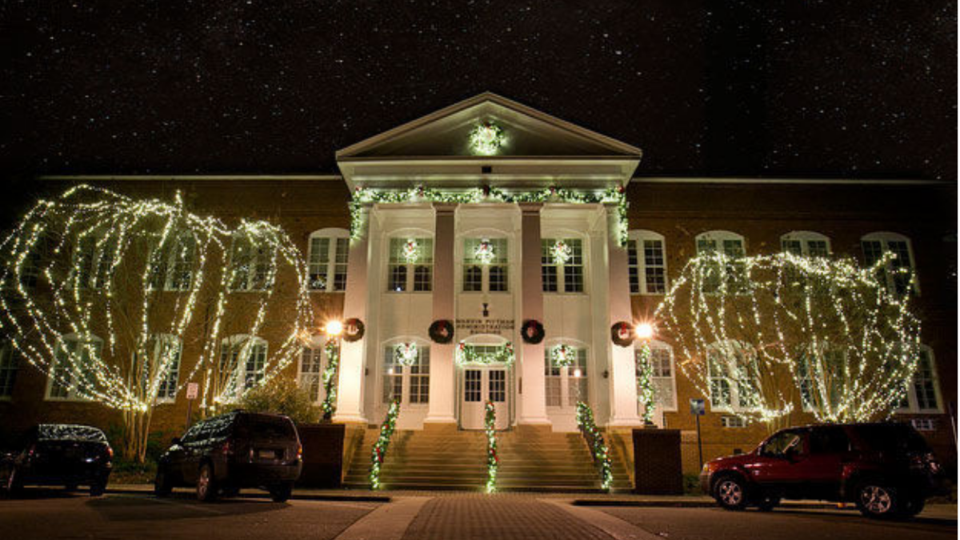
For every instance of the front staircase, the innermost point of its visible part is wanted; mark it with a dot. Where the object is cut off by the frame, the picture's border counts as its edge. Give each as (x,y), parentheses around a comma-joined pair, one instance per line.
(444,457)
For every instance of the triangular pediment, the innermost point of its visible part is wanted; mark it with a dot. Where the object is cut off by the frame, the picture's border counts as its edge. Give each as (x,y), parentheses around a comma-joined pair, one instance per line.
(526,133)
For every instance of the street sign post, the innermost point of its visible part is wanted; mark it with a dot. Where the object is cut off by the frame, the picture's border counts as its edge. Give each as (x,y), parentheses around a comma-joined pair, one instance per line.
(193,390)
(698,408)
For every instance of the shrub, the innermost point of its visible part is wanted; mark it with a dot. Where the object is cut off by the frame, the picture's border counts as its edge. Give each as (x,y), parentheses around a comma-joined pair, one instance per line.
(282,396)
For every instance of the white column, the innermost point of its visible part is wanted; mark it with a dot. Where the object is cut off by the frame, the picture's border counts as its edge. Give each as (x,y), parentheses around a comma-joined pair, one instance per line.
(442,369)
(533,407)
(623,381)
(351,374)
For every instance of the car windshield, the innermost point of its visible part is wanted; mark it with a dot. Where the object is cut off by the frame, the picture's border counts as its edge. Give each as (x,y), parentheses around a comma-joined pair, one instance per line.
(69,432)
(898,438)
(267,427)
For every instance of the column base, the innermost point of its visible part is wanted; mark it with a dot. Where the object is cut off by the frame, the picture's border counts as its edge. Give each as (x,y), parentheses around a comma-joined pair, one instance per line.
(536,421)
(625,422)
(349,419)
(440,420)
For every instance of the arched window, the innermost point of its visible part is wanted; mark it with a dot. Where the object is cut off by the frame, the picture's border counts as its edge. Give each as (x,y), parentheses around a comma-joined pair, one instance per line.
(647,262)
(406,372)
(664,375)
(251,264)
(733,272)
(898,271)
(562,264)
(566,374)
(327,256)
(805,243)
(171,268)
(485,265)
(923,392)
(243,361)
(72,374)
(731,369)
(410,264)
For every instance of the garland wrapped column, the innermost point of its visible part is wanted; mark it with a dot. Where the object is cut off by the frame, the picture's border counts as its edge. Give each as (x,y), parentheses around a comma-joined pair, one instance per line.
(493,460)
(329,405)
(601,454)
(646,393)
(379,452)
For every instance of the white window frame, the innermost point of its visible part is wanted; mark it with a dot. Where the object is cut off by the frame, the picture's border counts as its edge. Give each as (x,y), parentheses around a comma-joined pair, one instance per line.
(670,381)
(238,378)
(317,350)
(335,237)
(637,239)
(550,240)
(427,260)
(805,238)
(913,406)
(719,237)
(807,377)
(268,254)
(70,380)
(566,376)
(884,238)
(466,260)
(170,395)
(168,263)
(722,348)
(9,368)
(98,274)
(405,374)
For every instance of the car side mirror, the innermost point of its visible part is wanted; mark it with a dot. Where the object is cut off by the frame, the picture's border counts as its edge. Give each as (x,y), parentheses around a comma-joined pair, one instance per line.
(175,441)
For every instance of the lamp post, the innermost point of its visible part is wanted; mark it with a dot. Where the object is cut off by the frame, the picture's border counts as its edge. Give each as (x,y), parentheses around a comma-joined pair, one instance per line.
(646,392)
(334,331)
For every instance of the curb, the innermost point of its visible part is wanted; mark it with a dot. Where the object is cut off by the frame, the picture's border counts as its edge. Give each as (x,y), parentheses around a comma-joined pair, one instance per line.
(148,490)
(696,504)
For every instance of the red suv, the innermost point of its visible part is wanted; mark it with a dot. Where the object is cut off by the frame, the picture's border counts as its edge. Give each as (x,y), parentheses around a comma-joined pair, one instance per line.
(886,469)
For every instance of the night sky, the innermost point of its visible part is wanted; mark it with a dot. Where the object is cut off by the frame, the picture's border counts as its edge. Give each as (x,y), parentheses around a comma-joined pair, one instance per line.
(831,88)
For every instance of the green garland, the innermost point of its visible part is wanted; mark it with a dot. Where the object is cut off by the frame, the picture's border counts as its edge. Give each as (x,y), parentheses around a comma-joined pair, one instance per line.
(493,459)
(563,355)
(646,393)
(362,196)
(329,405)
(379,452)
(467,354)
(601,453)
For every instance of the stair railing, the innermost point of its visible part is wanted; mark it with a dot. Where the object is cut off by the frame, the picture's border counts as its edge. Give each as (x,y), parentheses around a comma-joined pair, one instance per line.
(493,459)
(379,452)
(598,447)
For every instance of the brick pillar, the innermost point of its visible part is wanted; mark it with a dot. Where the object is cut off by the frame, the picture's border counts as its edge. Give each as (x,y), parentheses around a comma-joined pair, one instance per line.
(533,407)
(442,369)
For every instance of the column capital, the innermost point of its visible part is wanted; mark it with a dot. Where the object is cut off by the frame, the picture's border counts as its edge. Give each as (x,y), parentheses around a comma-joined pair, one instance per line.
(530,207)
(444,208)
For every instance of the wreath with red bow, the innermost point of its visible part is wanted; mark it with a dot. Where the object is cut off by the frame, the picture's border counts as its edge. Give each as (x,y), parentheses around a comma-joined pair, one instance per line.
(532,332)
(441,331)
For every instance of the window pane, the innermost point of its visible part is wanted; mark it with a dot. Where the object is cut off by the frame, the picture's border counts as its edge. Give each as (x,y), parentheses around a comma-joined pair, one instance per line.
(655,278)
(8,370)
(422,278)
(633,268)
(319,257)
(472,278)
(398,278)
(471,385)
(498,385)
(498,278)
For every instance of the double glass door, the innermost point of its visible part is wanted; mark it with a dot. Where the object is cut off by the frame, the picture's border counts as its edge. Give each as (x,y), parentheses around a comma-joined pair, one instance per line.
(480,385)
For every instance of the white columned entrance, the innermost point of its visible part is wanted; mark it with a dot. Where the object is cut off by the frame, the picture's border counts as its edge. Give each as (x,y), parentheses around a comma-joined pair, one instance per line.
(533,408)
(442,369)
(623,381)
(352,355)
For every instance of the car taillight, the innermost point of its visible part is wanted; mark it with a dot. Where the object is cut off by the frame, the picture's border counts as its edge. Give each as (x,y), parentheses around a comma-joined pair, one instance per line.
(299,452)
(109,452)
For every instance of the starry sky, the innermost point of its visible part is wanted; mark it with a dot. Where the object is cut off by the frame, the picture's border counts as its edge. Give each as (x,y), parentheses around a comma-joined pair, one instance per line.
(831,88)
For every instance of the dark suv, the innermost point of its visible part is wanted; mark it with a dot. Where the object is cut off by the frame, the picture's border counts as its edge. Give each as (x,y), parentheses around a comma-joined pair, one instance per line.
(59,455)
(232,451)
(886,469)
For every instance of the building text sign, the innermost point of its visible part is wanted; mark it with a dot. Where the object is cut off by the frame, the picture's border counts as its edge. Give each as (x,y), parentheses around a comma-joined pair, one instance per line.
(485,326)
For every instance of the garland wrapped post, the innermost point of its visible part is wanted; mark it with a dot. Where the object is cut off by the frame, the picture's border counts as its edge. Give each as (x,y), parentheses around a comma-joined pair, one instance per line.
(599,449)
(379,452)
(493,459)
(329,405)
(646,393)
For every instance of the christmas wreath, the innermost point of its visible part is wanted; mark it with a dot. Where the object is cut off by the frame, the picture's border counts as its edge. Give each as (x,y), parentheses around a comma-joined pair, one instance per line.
(441,331)
(622,333)
(532,332)
(353,330)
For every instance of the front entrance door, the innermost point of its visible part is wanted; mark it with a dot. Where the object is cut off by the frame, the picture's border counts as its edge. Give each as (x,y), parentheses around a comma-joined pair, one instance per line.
(481,385)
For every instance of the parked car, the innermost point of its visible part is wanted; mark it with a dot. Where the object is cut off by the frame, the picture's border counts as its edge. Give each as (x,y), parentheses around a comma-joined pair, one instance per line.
(58,455)
(887,469)
(236,450)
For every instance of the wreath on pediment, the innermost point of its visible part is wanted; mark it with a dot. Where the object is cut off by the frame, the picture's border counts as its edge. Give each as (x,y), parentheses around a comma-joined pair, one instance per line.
(532,332)
(442,331)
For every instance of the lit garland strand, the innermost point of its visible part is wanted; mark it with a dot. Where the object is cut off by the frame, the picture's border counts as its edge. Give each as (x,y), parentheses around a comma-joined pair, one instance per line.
(646,393)
(468,354)
(379,452)
(782,327)
(114,275)
(329,405)
(563,355)
(367,196)
(493,459)
(598,448)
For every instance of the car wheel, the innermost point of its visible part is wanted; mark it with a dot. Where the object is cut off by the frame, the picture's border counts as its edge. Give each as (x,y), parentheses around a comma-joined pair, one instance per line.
(71,487)
(98,488)
(230,491)
(767,503)
(876,499)
(162,486)
(912,505)
(281,492)
(13,486)
(730,493)
(206,484)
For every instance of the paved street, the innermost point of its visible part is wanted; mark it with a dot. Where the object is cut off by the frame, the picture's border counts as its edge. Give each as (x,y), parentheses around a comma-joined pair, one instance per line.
(54,514)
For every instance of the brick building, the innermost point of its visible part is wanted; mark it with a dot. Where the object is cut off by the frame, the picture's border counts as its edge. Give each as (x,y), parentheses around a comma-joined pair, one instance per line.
(421,244)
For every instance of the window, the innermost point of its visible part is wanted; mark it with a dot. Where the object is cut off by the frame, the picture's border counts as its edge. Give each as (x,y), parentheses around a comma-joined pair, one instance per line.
(409,384)
(782,443)
(165,351)
(171,268)
(93,262)
(471,385)
(72,374)
(242,362)
(732,422)
(822,377)
(664,377)
(497,385)
(311,370)
(491,276)
(558,275)
(732,374)
(9,365)
(327,256)
(566,385)
(410,265)
(646,263)
(924,424)
(923,392)
(805,243)
(251,264)
(898,272)
(732,271)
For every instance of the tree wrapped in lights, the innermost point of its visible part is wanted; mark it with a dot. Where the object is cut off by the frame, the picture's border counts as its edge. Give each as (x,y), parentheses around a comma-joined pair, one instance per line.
(109,295)
(764,336)
(493,459)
